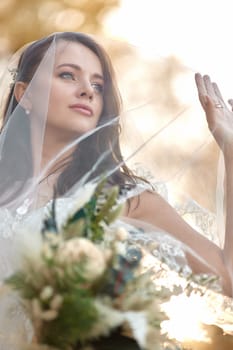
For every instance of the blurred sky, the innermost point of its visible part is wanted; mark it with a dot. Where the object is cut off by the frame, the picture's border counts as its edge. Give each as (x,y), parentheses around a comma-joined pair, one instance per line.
(199,32)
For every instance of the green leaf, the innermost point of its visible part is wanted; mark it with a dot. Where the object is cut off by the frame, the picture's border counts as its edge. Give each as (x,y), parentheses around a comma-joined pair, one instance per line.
(76,317)
(50,223)
(88,221)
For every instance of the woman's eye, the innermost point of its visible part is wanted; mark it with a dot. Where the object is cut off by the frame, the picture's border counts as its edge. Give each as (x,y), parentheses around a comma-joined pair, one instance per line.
(98,88)
(67,75)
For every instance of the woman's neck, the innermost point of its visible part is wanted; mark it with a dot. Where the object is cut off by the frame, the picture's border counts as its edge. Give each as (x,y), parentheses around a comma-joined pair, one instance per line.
(54,155)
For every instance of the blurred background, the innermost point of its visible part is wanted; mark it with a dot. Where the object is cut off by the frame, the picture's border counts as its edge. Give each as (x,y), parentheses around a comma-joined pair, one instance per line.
(156,46)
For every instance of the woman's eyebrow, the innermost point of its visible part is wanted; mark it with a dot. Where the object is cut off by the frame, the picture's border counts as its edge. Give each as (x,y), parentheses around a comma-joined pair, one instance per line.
(77,67)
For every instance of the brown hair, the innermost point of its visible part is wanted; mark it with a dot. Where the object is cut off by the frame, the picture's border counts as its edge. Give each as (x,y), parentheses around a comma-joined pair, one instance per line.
(108,138)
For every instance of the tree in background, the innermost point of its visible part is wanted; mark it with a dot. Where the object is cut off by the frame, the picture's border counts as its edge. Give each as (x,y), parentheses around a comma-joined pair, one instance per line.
(27,20)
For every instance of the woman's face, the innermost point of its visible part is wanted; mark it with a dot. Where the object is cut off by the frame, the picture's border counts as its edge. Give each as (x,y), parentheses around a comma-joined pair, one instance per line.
(76,97)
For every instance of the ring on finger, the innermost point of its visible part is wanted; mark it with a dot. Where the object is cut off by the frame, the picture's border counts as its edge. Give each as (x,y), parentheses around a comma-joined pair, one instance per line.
(218,105)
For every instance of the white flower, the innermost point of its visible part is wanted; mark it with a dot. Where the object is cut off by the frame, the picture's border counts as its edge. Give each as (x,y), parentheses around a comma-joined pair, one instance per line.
(36,308)
(81,249)
(56,302)
(120,247)
(138,324)
(83,195)
(121,234)
(39,313)
(46,293)
(66,207)
(109,318)
(49,315)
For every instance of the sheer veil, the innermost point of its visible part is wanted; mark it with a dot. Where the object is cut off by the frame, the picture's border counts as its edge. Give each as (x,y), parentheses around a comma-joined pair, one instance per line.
(154,118)
(164,143)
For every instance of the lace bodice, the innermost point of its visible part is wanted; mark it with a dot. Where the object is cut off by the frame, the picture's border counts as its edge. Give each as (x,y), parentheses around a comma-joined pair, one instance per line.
(14,325)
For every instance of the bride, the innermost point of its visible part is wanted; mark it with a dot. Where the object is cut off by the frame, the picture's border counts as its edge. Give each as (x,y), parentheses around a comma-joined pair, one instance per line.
(61,129)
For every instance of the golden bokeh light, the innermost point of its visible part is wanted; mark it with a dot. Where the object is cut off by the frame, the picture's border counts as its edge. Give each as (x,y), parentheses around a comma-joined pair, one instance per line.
(156,47)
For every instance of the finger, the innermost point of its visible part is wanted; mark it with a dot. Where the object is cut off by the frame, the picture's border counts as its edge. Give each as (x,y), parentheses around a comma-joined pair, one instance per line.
(200,84)
(210,89)
(202,93)
(231,103)
(219,95)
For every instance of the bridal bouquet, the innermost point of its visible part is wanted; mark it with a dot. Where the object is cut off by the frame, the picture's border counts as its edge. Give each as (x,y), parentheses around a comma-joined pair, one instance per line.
(83,284)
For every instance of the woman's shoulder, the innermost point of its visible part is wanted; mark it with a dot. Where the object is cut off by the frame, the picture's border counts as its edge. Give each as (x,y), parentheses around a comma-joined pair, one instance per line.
(148,203)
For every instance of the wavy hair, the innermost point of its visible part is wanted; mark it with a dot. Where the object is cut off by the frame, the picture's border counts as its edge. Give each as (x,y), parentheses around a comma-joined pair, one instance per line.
(76,165)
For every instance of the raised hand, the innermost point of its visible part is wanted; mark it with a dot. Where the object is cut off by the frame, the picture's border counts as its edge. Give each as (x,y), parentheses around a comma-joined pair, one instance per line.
(220,121)
(219,117)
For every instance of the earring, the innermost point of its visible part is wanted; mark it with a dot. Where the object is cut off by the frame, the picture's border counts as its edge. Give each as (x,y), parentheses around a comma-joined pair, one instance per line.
(27,111)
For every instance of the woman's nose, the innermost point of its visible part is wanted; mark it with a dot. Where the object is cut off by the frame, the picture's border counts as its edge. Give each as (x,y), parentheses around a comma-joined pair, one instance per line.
(85,89)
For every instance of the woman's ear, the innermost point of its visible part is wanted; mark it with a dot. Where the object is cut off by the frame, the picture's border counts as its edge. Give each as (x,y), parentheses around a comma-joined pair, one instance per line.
(21,97)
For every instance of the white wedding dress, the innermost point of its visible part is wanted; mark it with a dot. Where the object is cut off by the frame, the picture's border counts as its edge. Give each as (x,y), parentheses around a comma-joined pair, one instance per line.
(14,325)
(168,258)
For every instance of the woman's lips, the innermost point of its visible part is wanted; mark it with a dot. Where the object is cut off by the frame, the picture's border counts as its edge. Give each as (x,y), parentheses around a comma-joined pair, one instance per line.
(83,109)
